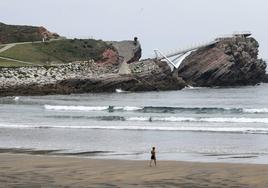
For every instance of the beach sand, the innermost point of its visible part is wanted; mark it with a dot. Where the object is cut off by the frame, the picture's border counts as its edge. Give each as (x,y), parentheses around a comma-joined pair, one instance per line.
(29,171)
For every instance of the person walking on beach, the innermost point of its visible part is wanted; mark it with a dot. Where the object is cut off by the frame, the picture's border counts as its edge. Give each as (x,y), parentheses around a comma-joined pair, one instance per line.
(153,157)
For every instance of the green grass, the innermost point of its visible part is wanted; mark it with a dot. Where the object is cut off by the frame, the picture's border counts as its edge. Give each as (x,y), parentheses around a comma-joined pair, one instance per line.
(25,52)
(61,51)
(6,63)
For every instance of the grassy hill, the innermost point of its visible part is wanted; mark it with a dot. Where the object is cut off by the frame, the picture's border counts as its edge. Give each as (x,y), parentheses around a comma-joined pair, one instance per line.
(57,51)
(7,63)
(24,46)
(18,33)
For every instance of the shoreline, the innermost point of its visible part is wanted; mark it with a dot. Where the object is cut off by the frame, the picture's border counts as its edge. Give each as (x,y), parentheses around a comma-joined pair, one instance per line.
(253,159)
(37,171)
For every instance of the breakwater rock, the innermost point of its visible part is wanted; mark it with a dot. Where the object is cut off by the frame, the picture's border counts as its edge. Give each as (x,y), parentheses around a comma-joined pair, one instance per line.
(89,76)
(232,61)
(265,79)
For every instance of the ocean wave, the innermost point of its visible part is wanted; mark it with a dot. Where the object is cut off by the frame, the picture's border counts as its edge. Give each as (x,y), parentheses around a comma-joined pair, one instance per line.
(168,119)
(91,108)
(157,109)
(256,110)
(192,119)
(126,108)
(76,108)
(16,98)
(120,91)
(249,130)
(151,109)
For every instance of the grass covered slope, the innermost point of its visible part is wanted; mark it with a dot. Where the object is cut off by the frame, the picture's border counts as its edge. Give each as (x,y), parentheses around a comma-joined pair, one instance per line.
(8,63)
(58,51)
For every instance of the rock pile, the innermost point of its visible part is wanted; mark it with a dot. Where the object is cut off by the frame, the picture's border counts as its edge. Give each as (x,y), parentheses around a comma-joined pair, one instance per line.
(81,77)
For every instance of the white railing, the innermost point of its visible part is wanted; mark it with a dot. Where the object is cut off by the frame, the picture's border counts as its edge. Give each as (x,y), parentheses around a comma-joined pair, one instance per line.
(184,50)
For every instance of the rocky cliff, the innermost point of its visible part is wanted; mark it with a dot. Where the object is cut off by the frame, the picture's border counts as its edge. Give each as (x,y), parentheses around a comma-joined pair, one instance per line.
(232,61)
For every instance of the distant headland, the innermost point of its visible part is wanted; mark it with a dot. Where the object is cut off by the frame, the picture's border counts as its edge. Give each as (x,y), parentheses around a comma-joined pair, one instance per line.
(35,61)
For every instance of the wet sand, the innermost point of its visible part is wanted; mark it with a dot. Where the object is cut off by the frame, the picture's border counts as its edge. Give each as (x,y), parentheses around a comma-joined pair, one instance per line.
(31,171)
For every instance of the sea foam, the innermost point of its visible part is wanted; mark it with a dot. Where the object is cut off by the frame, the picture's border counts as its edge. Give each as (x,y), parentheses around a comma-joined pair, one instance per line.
(249,130)
(256,110)
(158,109)
(76,108)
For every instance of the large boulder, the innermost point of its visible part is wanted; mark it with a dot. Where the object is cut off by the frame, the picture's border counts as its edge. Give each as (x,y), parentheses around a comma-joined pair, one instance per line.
(265,79)
(230,62)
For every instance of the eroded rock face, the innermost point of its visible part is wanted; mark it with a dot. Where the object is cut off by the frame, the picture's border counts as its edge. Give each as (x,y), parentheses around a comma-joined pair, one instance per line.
(233,61)
(47,34)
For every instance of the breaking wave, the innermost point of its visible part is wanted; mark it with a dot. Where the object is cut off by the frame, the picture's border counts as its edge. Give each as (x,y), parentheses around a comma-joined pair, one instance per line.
(191,119)
(156,109)
(256,110)
(248,130)
(169,119)
(90,108)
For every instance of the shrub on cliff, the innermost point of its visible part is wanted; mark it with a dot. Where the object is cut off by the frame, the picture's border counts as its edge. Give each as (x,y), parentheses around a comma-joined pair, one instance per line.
(18,33)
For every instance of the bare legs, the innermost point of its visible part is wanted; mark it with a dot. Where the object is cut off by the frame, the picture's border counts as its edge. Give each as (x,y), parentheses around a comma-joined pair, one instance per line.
(152,161)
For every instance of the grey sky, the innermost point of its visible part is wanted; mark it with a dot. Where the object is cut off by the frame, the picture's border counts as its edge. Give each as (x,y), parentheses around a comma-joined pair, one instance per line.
(162,24)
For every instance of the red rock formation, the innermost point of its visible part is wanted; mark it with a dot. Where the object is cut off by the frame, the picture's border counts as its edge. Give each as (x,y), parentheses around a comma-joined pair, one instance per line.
(46,34)
(110,56)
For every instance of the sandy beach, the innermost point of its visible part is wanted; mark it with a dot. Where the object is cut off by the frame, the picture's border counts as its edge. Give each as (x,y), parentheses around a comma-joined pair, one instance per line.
(47,171)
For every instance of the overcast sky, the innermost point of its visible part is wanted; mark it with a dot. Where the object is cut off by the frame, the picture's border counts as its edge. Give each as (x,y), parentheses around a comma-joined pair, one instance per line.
(161,24)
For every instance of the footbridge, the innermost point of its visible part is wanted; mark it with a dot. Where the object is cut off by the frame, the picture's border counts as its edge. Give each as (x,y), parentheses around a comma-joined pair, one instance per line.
(175,58)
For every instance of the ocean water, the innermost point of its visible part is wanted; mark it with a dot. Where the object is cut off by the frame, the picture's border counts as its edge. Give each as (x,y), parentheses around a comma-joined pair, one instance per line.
(193,124)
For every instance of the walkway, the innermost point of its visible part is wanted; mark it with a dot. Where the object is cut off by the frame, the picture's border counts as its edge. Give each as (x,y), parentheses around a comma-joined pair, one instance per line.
(6,47)
(11,45)
(18,61)
(180,54)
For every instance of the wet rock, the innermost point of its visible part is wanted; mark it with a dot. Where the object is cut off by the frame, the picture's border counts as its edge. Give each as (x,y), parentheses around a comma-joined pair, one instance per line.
(265,79)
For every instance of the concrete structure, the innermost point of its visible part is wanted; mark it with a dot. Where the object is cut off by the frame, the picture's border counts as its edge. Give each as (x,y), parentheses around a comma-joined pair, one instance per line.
(124,69)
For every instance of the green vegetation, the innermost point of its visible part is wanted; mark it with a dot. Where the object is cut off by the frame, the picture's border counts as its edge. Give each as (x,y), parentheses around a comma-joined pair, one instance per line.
(58,51)
(25,52)
(15,33)
(6,63)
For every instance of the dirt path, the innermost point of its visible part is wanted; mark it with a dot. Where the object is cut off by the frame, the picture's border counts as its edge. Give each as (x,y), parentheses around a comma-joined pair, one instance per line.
(18,61)
(7,46)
